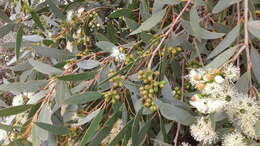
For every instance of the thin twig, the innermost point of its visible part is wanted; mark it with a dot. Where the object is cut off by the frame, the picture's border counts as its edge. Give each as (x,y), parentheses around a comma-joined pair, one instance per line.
(167,33)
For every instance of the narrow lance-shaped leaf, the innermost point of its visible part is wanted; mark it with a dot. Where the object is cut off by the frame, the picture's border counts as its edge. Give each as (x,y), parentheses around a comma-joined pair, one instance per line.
(92,128)
(135,127)
(6,29)
(254,28)
(175,113)
(56,11)
(56,130)
(78,77)
(122,133)
(150,23)
(223,4)
(198,31)
(29,86)
(83,98)
(37,20)
(44,68)
(18,44)
(228,40)
(222,58)
(256,64)
(14,110)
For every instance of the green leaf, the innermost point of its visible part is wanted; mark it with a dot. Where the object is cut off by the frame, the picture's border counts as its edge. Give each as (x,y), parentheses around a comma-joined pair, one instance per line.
(144,10)
(88,64)
(14,110)
(56,11)
(105,45)
(256,63)
(83,98)
(92,128)
(4,17)
(228,40)
(150,23)
(122,12)
(87,119)
(19,39)
(56,130)
(37,20)
(222,58)
(29,86)
(197,30)
(223,4)
(143,131)
(122,133)
(62,92)
(159,4)
(172,112)
(101,134)
(44,68)
(78,77)
(135,127)
(254,28)
(52,52)
(131,24)
(6,29)
(243,83)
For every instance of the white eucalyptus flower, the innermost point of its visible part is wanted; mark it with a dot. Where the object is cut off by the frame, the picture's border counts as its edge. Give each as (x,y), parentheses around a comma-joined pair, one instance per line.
(117,54)
(244,113)
(218,79)
(231,72)
(202,131)
(234,139)
(208,105)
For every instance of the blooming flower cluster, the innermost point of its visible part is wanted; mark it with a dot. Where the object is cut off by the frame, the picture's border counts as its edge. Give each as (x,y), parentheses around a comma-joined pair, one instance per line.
(214,87)
(203,131)
(216,93)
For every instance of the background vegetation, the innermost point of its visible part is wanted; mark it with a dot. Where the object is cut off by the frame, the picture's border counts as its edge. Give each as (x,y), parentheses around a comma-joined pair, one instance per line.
(119,72)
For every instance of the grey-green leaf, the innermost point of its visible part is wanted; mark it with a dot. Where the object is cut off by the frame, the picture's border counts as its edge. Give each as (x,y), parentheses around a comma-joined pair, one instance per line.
(105,45)
(175,113)
(228,40)
(18,44)
(6,29)
(52,52)
(150,23)
(256,64)
(198,30)
(223,4)
(78,77)
(254,28)
(88,64)
(29,86)
(56,130)
(222,58)
(243,83)
(14,110)
(92,128)
(83,98)
(37,20)
(56,11)
(44,68)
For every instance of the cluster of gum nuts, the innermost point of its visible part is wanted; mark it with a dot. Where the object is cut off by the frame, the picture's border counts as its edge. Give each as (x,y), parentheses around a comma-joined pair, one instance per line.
(150,88)
(117,82)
